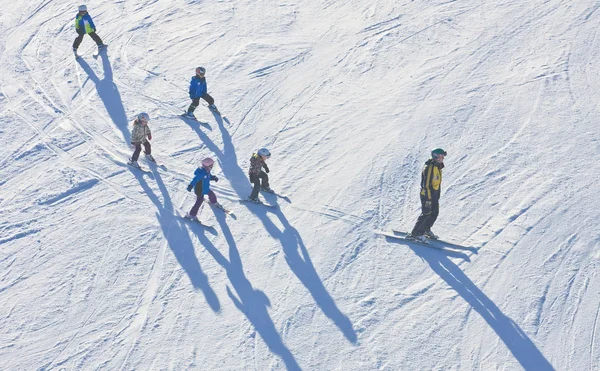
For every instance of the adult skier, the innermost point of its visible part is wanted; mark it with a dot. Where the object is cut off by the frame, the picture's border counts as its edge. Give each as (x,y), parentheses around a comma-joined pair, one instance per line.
(258,177)
(84,25)
(199,89)
(201,186)
(431,186)
(140,135)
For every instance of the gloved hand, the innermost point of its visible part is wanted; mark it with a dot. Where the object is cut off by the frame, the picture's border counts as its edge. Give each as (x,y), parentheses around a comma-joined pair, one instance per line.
(133,145)
(189,188)
(212,177)
(428,204)
(149,136)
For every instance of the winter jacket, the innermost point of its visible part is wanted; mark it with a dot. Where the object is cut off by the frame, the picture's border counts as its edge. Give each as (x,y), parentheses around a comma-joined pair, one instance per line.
(84,24)
(198,87)
(140,132)
(431,180)
(201,181)
(256,164)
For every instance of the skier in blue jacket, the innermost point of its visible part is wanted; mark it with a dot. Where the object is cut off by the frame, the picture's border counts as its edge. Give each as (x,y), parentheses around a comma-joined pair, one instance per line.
(201,186)
(199,89)
(84,25)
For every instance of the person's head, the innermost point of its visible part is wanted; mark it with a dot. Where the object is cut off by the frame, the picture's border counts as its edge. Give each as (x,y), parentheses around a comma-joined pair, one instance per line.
(438,155)
(82,9)
(264,153)
(208,163)
(143,118)
(200,71)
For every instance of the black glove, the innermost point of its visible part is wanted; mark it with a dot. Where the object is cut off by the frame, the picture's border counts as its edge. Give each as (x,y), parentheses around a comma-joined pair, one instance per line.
(427,208)
(189,188)
(212,177)
(266,168)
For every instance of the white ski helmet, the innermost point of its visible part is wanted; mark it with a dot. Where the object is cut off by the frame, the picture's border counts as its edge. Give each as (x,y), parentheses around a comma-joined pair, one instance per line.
(82,8)
(264,152)
(208,162)
(200,71)
(143,117)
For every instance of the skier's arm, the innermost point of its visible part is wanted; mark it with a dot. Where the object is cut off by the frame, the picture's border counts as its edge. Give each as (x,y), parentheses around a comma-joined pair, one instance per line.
(428,179)
(191,88)
(266,167)
(91,23)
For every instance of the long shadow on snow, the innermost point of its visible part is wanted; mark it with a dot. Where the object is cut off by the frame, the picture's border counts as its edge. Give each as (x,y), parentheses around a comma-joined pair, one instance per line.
(178,238)
(250,301)
(519,344)
(296,253)
(109,94)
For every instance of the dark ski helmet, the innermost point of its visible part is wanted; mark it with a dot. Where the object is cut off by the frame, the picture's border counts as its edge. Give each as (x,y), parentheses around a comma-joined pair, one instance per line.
(437,152)
(200,71)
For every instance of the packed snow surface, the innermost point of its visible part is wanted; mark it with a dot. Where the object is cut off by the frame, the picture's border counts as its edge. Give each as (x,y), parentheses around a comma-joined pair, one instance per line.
(99,271)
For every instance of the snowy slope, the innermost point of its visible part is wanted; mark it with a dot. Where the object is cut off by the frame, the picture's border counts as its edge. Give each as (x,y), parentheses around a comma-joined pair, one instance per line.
(97,271)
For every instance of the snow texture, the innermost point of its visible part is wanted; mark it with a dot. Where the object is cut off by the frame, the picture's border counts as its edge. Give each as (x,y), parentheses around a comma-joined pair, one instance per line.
(98,271)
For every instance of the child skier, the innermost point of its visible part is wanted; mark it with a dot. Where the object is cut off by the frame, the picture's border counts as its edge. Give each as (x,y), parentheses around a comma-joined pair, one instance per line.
(199,89)
(141,134)
(431,187)
(85,25)
(259,178)
(201,186)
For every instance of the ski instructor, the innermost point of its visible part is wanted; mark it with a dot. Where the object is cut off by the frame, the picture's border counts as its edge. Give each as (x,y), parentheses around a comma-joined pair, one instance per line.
(431,187)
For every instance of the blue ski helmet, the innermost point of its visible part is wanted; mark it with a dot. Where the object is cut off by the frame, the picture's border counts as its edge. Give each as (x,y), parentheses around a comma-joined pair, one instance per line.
(437,152)
(264,152)
(143,117)
(82,8)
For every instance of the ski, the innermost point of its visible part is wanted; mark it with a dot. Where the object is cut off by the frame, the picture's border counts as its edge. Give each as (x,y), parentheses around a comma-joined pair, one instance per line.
(197,221)
(436,240)
(274,193)
(139,168)
(222,208)
(97,53)
(274,206)
(183,115)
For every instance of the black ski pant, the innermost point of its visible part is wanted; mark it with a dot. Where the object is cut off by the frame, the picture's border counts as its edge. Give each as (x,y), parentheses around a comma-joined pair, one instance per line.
(196,102)
(260,180)
(79,38)
(427,217)
(138,149)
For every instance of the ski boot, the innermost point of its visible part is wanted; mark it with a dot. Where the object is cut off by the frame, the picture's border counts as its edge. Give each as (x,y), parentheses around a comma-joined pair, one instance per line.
(150,158)
(134,163)
(267,189)
(430,234)
(214,108)
(420,238)
(189,115)
(255,200)
(191,217)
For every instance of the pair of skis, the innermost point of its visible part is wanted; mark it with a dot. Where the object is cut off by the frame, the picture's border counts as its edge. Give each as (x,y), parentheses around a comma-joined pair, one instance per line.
(430,242)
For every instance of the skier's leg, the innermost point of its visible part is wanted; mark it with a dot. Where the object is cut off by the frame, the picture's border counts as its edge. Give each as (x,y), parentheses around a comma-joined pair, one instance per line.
(435,210)
(196,207)
(96,38)
(256,181)
(210,100)
(78,40)
(264,178)
(147,148)
(212,197)
(422,222)
(192,107)
(136,153)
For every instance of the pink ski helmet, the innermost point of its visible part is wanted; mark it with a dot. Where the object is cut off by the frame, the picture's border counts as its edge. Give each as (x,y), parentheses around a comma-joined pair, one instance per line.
(208,162)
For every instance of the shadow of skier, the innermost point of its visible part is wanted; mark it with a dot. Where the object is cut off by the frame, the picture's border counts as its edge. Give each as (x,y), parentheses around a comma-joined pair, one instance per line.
(108,93)
(250,301)
(178,238)
(519,344)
